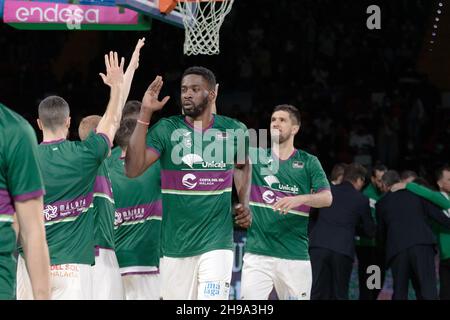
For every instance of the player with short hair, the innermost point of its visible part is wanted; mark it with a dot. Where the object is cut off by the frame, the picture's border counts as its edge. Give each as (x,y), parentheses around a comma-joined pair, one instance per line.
(199,153)
(106,280)
(21,191)
(69,169)
(286,183)
(137,222)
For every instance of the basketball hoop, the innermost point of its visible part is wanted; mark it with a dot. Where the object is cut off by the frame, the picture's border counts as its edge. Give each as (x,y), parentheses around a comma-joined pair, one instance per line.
(202,20)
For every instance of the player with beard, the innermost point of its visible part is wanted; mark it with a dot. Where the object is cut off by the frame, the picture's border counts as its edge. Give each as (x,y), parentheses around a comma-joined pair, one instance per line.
(199,154)
(286,183)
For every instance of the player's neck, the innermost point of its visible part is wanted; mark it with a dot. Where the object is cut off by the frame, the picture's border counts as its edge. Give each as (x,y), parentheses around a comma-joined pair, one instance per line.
(283,150)
(201,122)
(49,136)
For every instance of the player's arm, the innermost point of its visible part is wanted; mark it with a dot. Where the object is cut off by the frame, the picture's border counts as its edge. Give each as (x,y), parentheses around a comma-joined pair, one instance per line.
(32,238)
(242,180)
(132,66)
(437,215)
(433,196)
(110,121)
(139,157)
(321,199)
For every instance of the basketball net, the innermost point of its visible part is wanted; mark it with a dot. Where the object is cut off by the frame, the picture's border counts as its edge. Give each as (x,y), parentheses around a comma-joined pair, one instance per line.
(202,20)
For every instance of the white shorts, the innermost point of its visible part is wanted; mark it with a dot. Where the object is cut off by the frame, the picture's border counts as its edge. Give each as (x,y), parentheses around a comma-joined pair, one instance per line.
(203,277)
(67,282)
(145,286)
(106,279)
(292,279)
(23,289)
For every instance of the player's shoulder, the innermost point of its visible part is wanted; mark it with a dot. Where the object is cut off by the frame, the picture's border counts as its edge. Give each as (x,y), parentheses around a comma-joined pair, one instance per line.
(305,156)
(11,123)
(169,122)
(228,123)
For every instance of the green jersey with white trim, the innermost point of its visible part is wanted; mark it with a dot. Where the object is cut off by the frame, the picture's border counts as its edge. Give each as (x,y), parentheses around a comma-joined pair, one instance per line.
(104,209)
(20,180)
(272,234)
(69,169)
(138,217)
(196,182)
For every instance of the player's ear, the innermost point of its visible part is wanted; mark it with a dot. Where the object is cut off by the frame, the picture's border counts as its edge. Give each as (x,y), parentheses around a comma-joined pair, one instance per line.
(39,123)
(296,129)
(212,95)
(68,123)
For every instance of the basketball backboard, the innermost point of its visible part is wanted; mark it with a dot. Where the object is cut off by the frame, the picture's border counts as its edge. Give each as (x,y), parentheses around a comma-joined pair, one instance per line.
(151,8)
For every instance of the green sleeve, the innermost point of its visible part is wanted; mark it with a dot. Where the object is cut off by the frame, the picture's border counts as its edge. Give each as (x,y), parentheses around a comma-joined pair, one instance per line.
(433,196)
(95,149)
(319,179)
(23,175)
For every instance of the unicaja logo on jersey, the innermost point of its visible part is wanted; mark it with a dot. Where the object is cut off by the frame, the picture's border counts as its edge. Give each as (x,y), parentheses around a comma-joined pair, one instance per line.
(50,212)
(191,158)
(268,197)
(270,180)
(189,181)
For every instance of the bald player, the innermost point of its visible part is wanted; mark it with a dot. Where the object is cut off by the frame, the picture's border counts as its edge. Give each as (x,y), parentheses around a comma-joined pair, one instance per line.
(106,280)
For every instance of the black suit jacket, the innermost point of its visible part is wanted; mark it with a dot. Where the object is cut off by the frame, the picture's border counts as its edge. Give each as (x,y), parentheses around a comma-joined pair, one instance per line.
(403,222)
(334,227)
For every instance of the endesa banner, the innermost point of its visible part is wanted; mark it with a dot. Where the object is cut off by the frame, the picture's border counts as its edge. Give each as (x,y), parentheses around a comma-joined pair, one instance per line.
(57,15)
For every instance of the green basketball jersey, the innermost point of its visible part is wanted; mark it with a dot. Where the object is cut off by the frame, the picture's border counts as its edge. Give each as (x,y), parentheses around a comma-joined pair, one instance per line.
(196,182)
(104,209)
(138,216)
(273,234)
(20,180)
(69,169)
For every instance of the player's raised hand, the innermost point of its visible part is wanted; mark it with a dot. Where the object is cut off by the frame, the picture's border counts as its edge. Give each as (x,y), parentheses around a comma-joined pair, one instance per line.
(134,62)
(114,70)
(150,101)
(243,216)
(286,204)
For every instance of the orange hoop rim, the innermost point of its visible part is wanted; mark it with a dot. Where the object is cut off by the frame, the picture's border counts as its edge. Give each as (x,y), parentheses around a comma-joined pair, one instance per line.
(166,6)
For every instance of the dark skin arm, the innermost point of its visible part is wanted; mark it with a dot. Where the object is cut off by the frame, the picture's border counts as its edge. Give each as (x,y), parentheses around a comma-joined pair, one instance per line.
(138,157)
(242,181)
